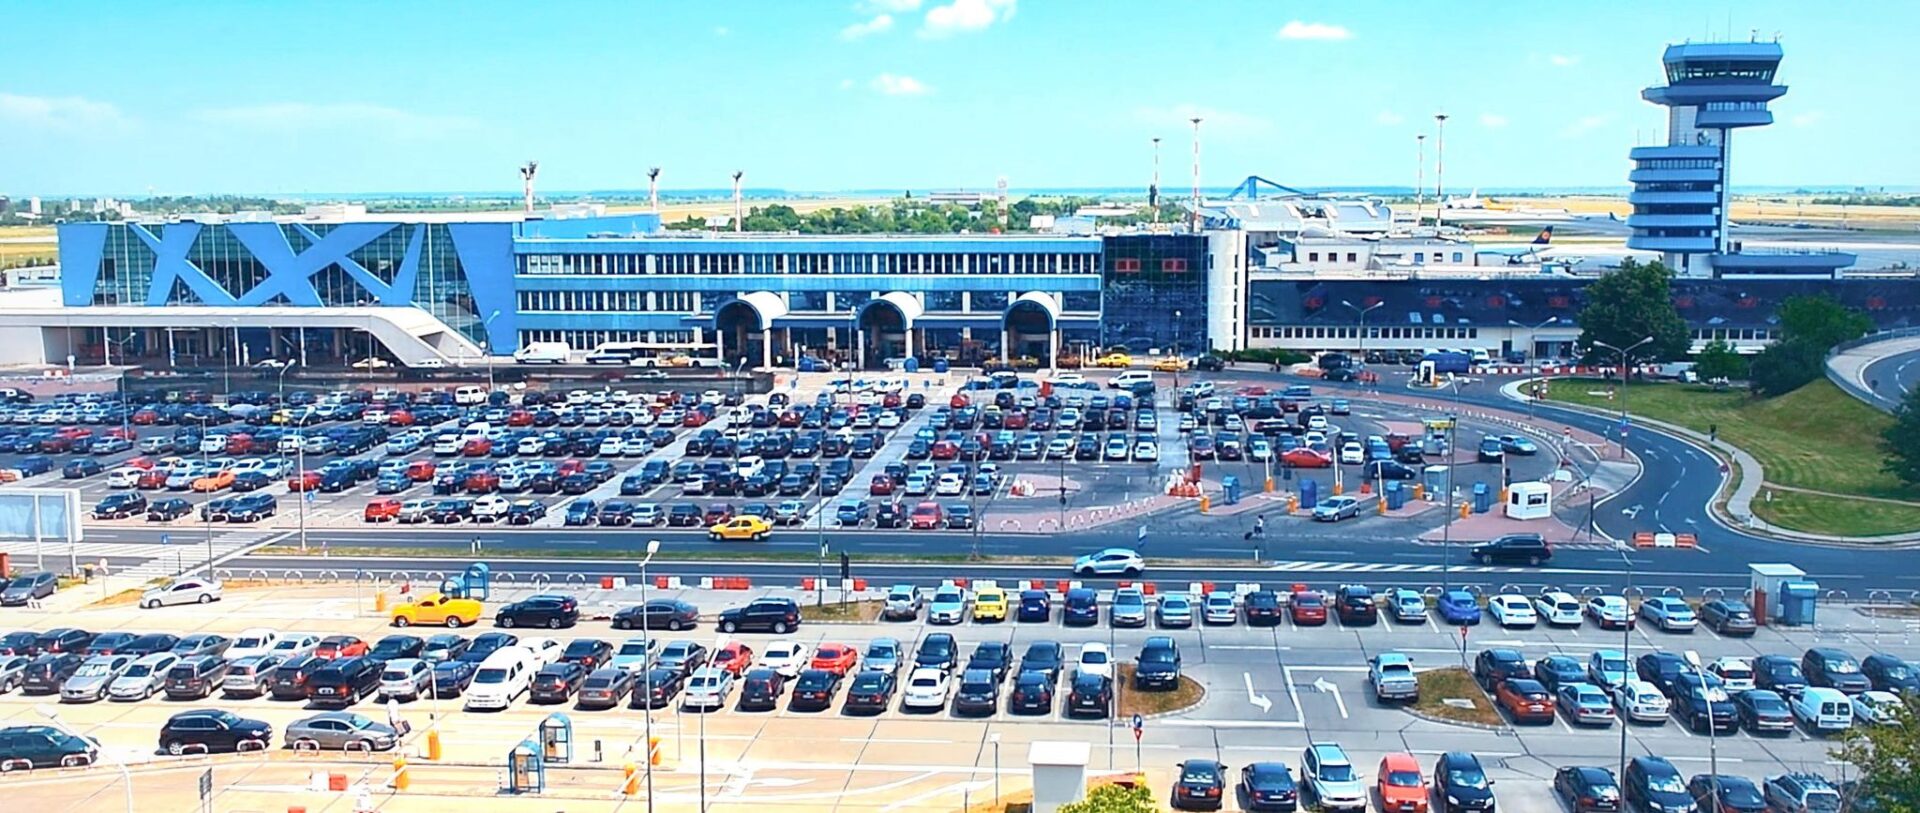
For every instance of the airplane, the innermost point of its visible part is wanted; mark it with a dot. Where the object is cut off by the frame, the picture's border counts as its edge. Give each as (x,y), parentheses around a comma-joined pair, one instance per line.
(1472,201)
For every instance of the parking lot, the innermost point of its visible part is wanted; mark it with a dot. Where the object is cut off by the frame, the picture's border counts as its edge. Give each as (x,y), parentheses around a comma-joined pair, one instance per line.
(1268,692)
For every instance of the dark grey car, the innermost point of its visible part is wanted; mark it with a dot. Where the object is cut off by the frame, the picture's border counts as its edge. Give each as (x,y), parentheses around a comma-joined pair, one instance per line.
(28,587)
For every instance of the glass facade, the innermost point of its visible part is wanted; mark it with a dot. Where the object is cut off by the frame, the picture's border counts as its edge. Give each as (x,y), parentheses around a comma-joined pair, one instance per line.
(1155,292)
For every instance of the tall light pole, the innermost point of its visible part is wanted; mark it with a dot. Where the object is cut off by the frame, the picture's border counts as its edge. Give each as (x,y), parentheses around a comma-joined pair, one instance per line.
(653,189)
(1177,361)
(300,461)
(206,513)
(1363,323)
(1196,174)
(1624,378)
(646,631)
(1420,179)
(737,214)
(1713,731)
(1153,192)
(1439,170)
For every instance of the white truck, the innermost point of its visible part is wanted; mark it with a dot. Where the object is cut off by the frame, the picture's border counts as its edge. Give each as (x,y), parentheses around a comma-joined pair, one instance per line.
(544,353)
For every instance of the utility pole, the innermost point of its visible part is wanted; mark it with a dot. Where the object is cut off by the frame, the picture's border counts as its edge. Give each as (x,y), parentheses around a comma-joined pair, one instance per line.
(1153,190)
(527,171)
(737,213)
(1440,171)
(1420,180)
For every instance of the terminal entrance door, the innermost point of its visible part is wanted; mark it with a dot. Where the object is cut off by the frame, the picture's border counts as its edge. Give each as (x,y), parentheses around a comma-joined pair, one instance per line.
(1029,331)
(882,335)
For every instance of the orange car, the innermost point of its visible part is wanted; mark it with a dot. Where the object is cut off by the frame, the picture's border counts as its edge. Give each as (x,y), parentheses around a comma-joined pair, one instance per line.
(735,657)
(1525,700)
(215,481)
(836,658)
(1402,789)
(382,510)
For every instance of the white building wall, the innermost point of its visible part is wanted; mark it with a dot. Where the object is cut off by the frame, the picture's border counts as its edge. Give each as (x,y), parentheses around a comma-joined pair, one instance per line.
(1226,289)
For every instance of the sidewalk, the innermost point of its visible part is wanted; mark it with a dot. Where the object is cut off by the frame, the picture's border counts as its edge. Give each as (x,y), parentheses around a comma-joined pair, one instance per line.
(1848,368)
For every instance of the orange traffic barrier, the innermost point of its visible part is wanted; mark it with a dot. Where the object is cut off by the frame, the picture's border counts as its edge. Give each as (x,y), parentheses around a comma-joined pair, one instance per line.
(1685,541)
(1148,588)
(433,744)
(629,780)
(1366,487)
(859,584)
(1036,584)
(1339,488)
(401,779)
(807,583)
(659,582)
(1124,584)
(653,751)
(960,583)
(1466,510)
(606,582)
(1205,503)
(1062,586)
(1643,539)
(337,782)
(1206,587)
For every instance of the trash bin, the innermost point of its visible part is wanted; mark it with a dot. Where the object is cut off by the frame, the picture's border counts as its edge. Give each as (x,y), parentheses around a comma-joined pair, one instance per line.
(1396,496)
(940,365)
(1230,488)
(1434,478)
(1309,493)
(1797,603)
(912,365)
(1482,498)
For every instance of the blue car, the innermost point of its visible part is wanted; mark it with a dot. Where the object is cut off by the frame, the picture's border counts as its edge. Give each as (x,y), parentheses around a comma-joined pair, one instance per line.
(1459,607)
(1518,444)
(1035,606)
(850,512)
(451,678)
(582,512)
(392,483)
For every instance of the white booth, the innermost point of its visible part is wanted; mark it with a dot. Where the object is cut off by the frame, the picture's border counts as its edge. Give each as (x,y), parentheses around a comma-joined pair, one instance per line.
(1529,500)
(1059,773)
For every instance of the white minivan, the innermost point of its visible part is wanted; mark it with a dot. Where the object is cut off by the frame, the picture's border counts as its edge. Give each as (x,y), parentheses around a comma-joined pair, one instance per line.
(503,676)
(1824,710)
(470,396)
(1131,377)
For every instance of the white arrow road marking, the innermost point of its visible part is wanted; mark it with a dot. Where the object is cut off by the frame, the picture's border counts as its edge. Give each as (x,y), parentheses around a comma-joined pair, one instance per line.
(1258,699)
(1325,686)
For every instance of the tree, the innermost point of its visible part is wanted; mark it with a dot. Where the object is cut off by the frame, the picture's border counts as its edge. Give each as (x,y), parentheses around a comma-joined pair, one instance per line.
(1786,366)
(1114,799)
(1631,304)
(1901,441)
(1888,757)
(1718,360)
(1821,321)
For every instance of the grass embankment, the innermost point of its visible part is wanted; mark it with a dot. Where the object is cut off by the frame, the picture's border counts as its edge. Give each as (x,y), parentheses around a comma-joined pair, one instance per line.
(1437,686)
(1137,701)
(850,611)
(1817,438)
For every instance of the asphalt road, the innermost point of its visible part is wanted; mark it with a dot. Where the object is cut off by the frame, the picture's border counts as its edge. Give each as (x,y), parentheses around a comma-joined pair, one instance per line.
(1894,377)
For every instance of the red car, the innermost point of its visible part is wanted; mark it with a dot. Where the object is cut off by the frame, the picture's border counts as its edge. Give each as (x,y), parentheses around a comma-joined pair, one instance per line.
(946,450)
(519,417)
(881,486)
(123,433)
(1301,457)
(1309,609)
(145,417)
(717,513)
(239,443)
(477,447)
(1015,420)
(485,481)
(791,418)
(151,479)
(571,465)
(926,516)
(421,471)
(400,417)
(696,418)
(735,657)
(891,400)
(836,658)
(959,401)
(303,481)
(340,646)
(381,510)
(141,463)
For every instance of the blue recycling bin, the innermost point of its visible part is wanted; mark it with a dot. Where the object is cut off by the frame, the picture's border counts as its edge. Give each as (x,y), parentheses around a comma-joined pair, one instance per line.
(1482,498)
(1230,488)
(912,364)
(940,365)
(1396,496)
(1434,478)
(1309,493)
(1797,603)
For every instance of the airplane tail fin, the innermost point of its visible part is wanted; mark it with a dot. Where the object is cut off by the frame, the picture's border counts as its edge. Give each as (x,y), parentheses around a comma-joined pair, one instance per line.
(1545,237)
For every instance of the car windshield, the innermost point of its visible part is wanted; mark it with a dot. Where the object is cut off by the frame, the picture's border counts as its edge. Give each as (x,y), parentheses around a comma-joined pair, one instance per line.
(925,682)
(1197,774)
(491,676)
(1898,672)
(1843,667)
(1613,665)
(1669,783)
(1156,656)
(93,670)
(1093,656)
(1336,773)
(1823,802)
(634,648)
(139,670)
(1404,779)
(1467,778)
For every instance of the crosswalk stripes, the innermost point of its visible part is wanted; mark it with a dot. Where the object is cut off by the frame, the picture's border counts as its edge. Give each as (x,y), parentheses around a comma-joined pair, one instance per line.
(1375,567)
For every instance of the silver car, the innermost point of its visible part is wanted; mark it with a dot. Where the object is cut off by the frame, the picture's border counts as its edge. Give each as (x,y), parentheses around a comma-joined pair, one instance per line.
(13,670)
(707,690)
(251,676)
(407,678)
(89,683)
(336,730)
(145,677)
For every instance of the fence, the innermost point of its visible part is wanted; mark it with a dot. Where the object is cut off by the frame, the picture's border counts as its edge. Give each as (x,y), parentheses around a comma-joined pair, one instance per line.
(1853,387)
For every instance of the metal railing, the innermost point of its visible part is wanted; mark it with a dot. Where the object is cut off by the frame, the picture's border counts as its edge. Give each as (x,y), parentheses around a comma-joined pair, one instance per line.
(1853,388)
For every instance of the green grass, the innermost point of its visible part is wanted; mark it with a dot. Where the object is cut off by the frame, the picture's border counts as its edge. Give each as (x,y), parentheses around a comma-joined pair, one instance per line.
(861,611)
(1181,697)
(1437,686)
(1836,515)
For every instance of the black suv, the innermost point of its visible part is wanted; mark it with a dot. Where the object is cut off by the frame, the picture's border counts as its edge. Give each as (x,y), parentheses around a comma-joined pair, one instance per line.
(1529,548)
(1355,604)
(937,650)
(550,611)
(1262,608)
(776,615)
(340,683)
(212,731)
(1158,666)
(1495,666)
(761,689)
(1651,784)
(1460,783)
(46,673)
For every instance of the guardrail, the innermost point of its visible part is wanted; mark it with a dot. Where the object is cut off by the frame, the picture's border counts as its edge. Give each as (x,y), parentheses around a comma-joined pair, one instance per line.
(1853,388)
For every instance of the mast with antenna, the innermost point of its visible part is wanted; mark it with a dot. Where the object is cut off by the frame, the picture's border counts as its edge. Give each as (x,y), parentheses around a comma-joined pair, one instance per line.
(527,172)
(1439,170)
(1420,180)
(737,216)
(653,189)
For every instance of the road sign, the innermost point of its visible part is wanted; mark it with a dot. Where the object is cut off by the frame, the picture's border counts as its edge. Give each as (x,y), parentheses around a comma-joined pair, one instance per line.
(1463,632)
(166,539)
(1139,726)
(206,784)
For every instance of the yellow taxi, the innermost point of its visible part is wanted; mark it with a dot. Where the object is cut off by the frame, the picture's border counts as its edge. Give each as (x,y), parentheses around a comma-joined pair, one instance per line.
(1114,360)
(1170,364)
(438,609)
(746,527)
(989,604)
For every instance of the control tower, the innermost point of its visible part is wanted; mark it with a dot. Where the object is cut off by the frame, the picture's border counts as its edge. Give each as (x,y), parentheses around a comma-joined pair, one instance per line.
(1680,191)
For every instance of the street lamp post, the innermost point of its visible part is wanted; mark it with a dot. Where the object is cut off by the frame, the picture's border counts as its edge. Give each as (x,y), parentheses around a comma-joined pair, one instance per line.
(1624,378)
(1713,731)
(1446,530)
(1363,324)
(300,462)
(646,631)
(1177,362)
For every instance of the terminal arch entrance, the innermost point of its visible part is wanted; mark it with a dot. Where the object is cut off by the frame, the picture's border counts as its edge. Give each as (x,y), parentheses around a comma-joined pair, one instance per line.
(1029,328)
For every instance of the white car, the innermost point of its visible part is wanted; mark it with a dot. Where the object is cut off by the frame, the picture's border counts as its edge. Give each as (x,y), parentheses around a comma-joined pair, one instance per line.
(1146,451)
(489,508)
(707,689)
(1610,611)
(926,689)
(1512,611)
(1876,707)
(185,590)
(784,656)
(294,644)
(124,477)
(1352,454)
(1736,674)
(950,485)
(634,655)
(145,677)
(1558,609)
(546,651)
(1110,562)
(1218,608)
(253,641)
(1095,659)
(1259,450)
(1641,702)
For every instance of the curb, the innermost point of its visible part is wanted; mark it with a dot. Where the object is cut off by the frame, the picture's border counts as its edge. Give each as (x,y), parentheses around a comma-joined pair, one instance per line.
(1460,723)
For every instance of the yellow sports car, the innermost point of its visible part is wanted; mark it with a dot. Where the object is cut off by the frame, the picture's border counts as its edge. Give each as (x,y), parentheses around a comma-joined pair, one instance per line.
(1170,364)
(990,604)
(747,527)
(435,608)
(1114,360)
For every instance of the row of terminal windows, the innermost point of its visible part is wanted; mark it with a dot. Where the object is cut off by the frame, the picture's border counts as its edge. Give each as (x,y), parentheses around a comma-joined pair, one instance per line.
(1733,335)
(648,264)
(803,301)
(1333,256)
(1720,70)
(1372,332)
(589,339)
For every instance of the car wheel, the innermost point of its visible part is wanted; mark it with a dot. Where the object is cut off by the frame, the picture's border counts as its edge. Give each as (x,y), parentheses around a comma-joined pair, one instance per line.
(676,625)
(619,625)
(779,627)
(1533,560)
(1130,572)
(453,622)
(401,621)
(728,626)
(504,621)
(553,623)
(152,605)
(176,747)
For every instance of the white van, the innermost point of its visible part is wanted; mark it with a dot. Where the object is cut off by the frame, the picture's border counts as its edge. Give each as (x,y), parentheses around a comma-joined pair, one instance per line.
(544,353)
(1823,710)
(504,676)
(750,465)
(470,395)
(1130,378)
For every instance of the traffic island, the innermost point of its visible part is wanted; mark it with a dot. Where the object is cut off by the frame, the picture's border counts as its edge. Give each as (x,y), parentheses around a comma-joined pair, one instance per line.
(1450,695)
(1186,695)
(843,612)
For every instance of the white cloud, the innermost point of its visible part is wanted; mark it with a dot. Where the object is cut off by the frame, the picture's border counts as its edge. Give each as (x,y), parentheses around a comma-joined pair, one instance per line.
(877,25)
(898,85)
(1213,122)
(1585,125)
(1807,119)
(846,84)
(1492,120)
(1299,30)
(965,15)
(1563,60)
(887,5)
(65,113)
(355,116)
(1388,118)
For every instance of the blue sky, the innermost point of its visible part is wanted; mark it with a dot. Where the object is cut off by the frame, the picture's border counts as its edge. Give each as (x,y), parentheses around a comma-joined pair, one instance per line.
(294,97)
